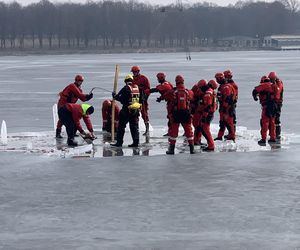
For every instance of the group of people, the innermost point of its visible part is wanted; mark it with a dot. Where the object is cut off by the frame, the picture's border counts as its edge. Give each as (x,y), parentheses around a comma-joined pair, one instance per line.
(193,109)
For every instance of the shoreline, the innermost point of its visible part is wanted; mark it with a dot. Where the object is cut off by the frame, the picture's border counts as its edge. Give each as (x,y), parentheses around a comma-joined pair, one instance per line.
(27,52)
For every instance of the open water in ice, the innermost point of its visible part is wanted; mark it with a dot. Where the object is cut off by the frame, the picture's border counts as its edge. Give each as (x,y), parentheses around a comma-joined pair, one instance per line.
(241,197)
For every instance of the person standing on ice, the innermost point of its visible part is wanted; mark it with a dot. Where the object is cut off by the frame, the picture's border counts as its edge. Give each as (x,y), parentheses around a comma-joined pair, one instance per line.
(71,94)
(180,99)
(70,115)
(265,92)
(129,96)
(198,90)
(144,86)
(206,109)
(228,77)
(163,87)
(278,92)
(226,97)
(107,116)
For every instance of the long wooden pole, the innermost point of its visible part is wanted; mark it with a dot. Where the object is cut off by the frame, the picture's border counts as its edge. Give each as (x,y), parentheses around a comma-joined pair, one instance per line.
(113,104)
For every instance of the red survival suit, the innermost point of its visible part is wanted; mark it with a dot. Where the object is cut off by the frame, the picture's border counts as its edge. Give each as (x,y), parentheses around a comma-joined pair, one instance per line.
(180,99)
(195,105)
(107,115)
(207,108)
(163,88)
(278,89)
(226,97)
(144,86)
(70,115)
(265,91)
(70,94)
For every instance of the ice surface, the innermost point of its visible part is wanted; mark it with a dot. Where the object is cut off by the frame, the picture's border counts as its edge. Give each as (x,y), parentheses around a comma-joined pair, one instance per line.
(241,197)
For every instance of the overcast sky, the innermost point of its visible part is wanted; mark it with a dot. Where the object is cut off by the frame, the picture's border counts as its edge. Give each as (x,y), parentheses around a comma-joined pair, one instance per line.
(161,2)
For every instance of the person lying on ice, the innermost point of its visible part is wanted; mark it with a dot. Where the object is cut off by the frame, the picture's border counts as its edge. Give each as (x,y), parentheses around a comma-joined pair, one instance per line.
(70,115)
(71,94)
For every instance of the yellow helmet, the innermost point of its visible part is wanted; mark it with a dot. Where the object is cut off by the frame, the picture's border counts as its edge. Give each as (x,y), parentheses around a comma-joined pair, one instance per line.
(128,78)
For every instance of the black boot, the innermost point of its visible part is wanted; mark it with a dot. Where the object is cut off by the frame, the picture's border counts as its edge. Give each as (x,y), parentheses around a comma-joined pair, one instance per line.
(72,143)
(218,139)
(171,150)
(192,149)
(135,144)
(117,144)
(57,134)
(147,128)
(262,142)
(278,132)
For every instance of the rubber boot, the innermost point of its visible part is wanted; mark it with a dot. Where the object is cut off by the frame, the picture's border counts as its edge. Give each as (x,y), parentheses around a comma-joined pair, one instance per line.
(262,142)
(57,134)
(278,132)
(192,151)
(135,144)
(147,128)
(72,143)
(117,144)
(171,150)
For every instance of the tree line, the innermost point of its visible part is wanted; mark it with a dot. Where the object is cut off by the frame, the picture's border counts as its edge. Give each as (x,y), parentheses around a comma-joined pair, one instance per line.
(130,24)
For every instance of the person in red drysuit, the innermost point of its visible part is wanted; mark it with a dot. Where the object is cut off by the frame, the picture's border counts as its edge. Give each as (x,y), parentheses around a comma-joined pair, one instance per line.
(163,87)
(207,108)
(144,86)
(278,92)
(195,105)
(70,115)
(71,94)
(265,92)
(228,77)
(180,99)
(107,115)
(226,97)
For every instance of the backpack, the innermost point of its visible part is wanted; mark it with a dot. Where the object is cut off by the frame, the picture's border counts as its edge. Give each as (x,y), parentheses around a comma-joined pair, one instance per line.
(181,111)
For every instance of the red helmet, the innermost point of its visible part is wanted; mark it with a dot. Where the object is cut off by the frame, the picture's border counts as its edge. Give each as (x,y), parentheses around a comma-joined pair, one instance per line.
(213,84)
(79,78)
(106,104)
(161,76)
(273,75)
(228,73)
(135,68)
(219,75)
(264,79)
(179,79)
(202,83)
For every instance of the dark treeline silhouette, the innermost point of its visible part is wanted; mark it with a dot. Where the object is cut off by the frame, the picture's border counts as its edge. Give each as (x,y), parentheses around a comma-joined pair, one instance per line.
(111,24)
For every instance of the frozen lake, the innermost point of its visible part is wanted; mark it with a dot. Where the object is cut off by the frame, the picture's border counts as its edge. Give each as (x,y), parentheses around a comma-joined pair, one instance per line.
(221,200)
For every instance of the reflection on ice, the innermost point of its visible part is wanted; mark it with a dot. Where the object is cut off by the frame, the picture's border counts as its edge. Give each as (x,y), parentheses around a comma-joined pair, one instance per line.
(44,143)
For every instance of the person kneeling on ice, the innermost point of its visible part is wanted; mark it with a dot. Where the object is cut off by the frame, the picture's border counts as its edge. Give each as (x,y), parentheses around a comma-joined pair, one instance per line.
(71,94)
(129,96)
(107,116)
(180,99)
(70,116)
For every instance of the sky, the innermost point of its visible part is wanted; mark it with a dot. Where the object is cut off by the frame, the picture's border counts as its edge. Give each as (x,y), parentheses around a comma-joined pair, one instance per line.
(160,2)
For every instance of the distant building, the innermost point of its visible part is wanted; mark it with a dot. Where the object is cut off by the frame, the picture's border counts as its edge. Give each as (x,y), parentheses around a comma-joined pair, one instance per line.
(282,42)
(238,42)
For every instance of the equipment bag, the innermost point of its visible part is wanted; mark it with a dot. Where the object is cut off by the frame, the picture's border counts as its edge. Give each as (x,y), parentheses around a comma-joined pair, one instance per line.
(181,111)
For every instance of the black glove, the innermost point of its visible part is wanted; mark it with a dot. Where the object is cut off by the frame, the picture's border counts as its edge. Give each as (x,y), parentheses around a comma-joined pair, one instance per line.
(158,99)
(153,90)
(89,96)
(254,95)
(113,94)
